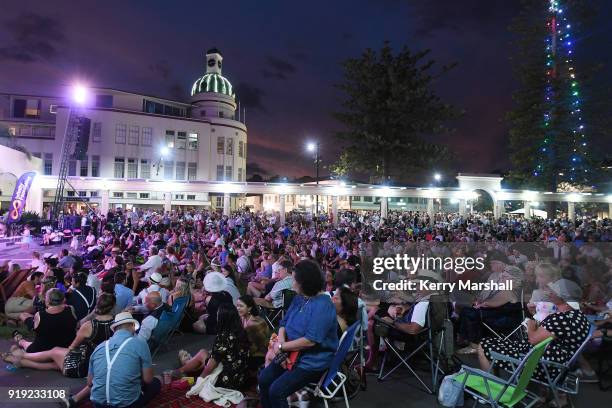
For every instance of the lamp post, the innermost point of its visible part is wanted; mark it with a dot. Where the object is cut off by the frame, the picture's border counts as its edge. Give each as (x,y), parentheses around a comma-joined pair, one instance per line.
(163,152)
(315,147)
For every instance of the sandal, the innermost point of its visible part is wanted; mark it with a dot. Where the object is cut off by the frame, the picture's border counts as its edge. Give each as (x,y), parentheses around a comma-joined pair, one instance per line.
(467,350)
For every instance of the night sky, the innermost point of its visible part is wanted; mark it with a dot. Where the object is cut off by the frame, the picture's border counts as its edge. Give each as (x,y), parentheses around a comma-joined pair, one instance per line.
(283,59)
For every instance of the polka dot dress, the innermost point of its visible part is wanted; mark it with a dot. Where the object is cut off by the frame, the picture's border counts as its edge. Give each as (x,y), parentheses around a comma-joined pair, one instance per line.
(570,329)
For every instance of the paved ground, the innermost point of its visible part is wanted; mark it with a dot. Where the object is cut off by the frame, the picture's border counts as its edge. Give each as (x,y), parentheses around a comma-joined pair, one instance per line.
(23,254)
(400,390)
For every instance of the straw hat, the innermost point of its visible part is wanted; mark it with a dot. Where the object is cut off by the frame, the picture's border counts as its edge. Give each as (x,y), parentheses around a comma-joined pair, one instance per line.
(123,318)
(155,277)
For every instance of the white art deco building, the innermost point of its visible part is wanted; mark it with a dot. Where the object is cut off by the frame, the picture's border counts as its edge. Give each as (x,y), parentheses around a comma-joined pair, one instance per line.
(136,138)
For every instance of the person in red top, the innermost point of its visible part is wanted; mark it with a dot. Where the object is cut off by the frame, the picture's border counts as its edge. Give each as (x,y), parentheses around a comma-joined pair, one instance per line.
(21,301)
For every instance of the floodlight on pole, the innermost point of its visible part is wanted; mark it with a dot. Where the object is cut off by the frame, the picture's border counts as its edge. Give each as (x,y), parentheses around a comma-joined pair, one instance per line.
(79,94)
(164,151)
(311,147)
(437,176)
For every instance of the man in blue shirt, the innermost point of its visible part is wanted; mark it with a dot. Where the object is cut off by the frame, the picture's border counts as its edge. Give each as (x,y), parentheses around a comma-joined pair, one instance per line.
(123,294)
(120,371)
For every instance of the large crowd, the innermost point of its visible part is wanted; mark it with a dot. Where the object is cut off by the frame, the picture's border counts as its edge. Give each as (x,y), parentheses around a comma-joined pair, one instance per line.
(94,308)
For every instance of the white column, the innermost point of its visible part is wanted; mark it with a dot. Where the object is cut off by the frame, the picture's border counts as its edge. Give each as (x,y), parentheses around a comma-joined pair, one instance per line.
(282,211)
(610,210)
(226,204)
(462,206)
(499,208)
(104,205)
(527,207)
(430,207)
(571,210)
(384,206)
(335,209)
(34,202)
(167,202)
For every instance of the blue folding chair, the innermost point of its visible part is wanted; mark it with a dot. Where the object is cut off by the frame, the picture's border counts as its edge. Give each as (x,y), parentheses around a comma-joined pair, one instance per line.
(333,380)
(168,324)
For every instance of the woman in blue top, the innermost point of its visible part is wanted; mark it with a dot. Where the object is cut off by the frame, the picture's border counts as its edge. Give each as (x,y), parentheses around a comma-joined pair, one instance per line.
(309,327)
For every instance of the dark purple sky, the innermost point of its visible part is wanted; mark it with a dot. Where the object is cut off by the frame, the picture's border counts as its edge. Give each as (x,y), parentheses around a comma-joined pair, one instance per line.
(283,58)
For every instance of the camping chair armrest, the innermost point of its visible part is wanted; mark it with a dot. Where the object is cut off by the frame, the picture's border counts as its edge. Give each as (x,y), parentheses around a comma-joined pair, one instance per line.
(477,371)
(502,357)
(380,320)
(549,363)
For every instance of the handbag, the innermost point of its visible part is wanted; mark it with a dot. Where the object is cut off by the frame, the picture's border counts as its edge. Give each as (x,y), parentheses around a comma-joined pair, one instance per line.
(450,393)
(75,362)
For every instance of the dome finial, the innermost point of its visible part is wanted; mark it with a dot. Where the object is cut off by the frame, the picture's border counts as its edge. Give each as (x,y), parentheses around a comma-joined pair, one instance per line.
(214,60)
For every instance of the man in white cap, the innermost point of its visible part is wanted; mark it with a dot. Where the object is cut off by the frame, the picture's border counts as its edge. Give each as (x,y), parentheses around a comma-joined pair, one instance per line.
(120,370)
(154,281)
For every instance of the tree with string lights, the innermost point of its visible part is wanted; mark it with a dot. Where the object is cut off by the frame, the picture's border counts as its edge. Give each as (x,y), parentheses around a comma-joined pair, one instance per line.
(549,143)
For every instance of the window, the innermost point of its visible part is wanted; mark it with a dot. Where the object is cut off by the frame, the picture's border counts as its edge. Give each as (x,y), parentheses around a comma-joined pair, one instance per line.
(170,139)
(356,198)
(179,196)
(181,140)
(221,114)
(228,173)
(84,167)
(82,193)
(95,166)
(220,144)
(191,196)
(161,109)
(134,135)
(26,108)
(180,170)
(70,193)
(48,164)
(53,109)
(72,168)
(230,146)
(119,168)
(132,171)
(144,195)
(93,194)
(241,149)
(220,173)
(117,194)
(192,171)
(168,170)
(219,200)
(367,199)
(96,132)
(147,136)
(104,101)
(192,141)
(120,134)
(131,195)
(145,169)
(37,154)
(239,174)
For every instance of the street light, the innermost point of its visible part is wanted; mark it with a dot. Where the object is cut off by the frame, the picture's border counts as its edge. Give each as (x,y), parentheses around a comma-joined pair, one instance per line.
(437,176)
(314,147)
(80,94)
(163,152)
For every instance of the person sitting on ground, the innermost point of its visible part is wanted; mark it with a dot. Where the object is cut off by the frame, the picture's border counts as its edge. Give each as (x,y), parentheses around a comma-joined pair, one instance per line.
(155,307)
(21,301)
(120,369)
(123,294)
(66,260)
(257,331)
(38,303)
(80,296)
(231,349)
(230,282)
(153,263)
(216,295)
(309,327)
(257,285)
(74,360)
(54,327)
(38,263)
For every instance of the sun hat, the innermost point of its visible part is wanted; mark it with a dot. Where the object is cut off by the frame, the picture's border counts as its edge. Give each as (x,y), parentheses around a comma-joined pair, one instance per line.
(123,318)
(155,277)
(566,290)
(214,282)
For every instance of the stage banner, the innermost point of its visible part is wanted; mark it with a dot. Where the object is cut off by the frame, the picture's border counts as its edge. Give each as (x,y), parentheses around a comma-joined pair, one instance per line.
(20,194)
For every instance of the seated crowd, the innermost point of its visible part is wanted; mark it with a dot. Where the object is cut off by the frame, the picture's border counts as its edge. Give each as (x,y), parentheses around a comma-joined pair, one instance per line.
(277,298)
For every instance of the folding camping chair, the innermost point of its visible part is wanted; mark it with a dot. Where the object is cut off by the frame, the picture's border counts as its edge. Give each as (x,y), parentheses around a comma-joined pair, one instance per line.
(514,327)
(565,381)
(167,325)
(334,380)
(437,313)
(498,392)
(354,365)
(273,316)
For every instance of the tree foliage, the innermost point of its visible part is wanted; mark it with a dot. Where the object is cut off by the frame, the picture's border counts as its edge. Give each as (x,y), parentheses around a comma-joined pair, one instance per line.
(389,110)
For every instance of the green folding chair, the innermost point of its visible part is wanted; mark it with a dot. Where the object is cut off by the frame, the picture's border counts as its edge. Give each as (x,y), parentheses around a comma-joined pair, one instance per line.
(489,389)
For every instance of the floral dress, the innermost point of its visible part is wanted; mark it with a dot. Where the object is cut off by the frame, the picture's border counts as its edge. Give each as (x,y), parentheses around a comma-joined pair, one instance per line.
(233,353)
(570,330)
